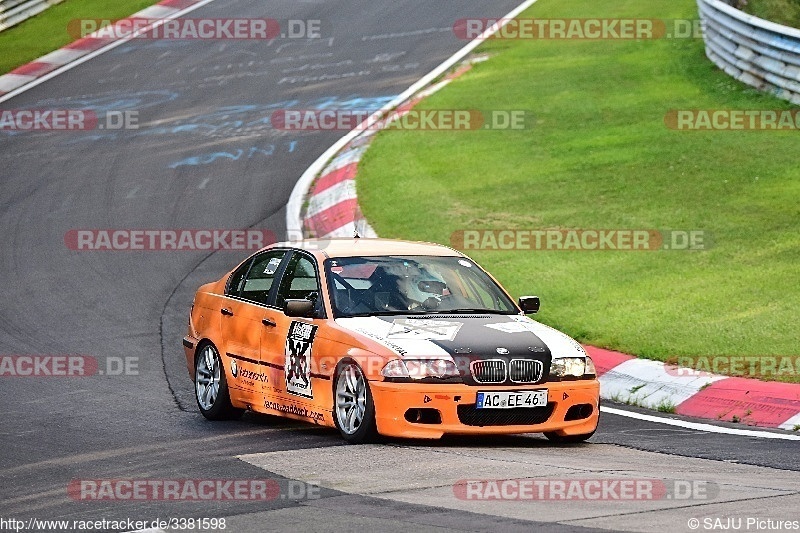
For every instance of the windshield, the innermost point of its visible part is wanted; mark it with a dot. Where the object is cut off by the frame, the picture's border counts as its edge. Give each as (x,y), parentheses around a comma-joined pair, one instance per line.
(392,285)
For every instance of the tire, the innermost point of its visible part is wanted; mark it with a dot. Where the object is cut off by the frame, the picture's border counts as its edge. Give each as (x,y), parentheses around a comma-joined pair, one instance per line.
(552,436)
(353,408)
(211,386)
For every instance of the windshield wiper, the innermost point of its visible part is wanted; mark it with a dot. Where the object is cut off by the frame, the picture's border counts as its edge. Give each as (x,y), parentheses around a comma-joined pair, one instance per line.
(464,310)
(469,310)
(381,313)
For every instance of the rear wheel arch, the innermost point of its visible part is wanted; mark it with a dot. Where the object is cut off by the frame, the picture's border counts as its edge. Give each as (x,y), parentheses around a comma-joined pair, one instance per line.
(202,343)
(220,408)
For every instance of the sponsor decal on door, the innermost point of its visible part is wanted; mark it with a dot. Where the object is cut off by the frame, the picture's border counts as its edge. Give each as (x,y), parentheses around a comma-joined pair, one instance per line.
(299,342)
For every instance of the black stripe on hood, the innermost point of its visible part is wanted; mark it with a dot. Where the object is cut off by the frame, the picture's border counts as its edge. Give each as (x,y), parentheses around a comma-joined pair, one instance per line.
(473,340)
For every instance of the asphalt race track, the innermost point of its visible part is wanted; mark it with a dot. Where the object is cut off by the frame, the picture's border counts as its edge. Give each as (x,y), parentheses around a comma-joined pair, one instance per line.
(205,157)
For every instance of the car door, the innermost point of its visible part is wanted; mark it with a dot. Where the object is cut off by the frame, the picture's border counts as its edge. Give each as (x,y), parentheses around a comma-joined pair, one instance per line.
(243,313)
(294,347)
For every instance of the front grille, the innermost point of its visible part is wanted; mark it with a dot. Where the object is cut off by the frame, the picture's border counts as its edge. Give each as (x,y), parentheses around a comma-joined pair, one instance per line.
(525,370)
(519,416)
(488,370)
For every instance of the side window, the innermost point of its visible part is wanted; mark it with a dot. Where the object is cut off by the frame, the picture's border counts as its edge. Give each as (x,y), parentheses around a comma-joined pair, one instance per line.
(237,278)
(299,282)
(259,279)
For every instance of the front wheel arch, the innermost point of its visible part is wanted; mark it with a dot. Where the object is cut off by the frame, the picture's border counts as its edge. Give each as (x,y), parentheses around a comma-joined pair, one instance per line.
(367,431)
(558,438)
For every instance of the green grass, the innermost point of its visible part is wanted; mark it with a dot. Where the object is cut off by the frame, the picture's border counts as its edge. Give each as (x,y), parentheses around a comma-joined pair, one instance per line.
(47,31)
(666,406)
(600,156)
(786,12)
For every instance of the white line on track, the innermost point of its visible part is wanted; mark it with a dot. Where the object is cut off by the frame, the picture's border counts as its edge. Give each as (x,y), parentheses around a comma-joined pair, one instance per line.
(697,426)
(103,50)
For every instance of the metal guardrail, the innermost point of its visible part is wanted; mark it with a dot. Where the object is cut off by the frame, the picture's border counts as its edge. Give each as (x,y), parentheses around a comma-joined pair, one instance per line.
(757,52)
(12,12)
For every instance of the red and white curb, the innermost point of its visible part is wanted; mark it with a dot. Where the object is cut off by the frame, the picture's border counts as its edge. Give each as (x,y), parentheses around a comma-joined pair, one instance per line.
(332,203)
(655,385)
(50,65)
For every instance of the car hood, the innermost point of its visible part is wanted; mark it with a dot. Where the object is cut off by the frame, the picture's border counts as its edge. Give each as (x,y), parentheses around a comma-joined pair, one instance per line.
(468,335)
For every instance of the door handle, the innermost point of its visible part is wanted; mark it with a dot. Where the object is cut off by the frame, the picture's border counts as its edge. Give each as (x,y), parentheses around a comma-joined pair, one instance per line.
(269,322)
(225,311)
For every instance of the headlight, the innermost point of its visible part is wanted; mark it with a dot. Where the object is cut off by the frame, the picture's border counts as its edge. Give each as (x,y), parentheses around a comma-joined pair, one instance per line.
(590,369)
(416,369)
(395,369)
(575,367)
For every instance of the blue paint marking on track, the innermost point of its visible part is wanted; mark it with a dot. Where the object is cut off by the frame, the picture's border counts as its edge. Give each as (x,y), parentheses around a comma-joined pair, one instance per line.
(235,155)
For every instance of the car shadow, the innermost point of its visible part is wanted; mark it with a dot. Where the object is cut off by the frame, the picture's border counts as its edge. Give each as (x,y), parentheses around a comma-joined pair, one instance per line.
(527,441)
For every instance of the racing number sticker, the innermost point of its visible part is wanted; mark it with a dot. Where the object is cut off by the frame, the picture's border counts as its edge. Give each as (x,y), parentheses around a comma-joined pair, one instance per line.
(298,358)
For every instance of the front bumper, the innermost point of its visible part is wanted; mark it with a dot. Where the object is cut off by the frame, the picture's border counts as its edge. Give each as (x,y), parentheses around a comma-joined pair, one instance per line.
(394,400)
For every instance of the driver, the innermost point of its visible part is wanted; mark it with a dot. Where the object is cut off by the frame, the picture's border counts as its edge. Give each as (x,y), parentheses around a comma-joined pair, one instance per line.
(387,290)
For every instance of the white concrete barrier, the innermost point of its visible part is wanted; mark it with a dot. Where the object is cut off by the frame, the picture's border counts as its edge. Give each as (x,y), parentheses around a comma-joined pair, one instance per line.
(13,12)
(757,52)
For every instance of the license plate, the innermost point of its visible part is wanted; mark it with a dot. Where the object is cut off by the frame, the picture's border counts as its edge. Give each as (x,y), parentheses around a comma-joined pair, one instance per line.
(511,399)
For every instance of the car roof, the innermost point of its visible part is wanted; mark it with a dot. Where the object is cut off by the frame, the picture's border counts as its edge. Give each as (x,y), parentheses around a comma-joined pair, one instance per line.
(369,247)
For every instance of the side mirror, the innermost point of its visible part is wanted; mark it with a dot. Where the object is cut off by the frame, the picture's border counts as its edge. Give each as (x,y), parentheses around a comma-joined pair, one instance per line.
(529,304)
(299,308)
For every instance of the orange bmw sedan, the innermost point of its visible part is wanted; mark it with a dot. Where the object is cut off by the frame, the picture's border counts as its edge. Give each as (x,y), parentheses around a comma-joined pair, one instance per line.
(379,337)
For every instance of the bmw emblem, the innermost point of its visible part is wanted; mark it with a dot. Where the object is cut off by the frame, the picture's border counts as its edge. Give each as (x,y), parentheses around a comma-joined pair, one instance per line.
(234,368)
(502,351)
